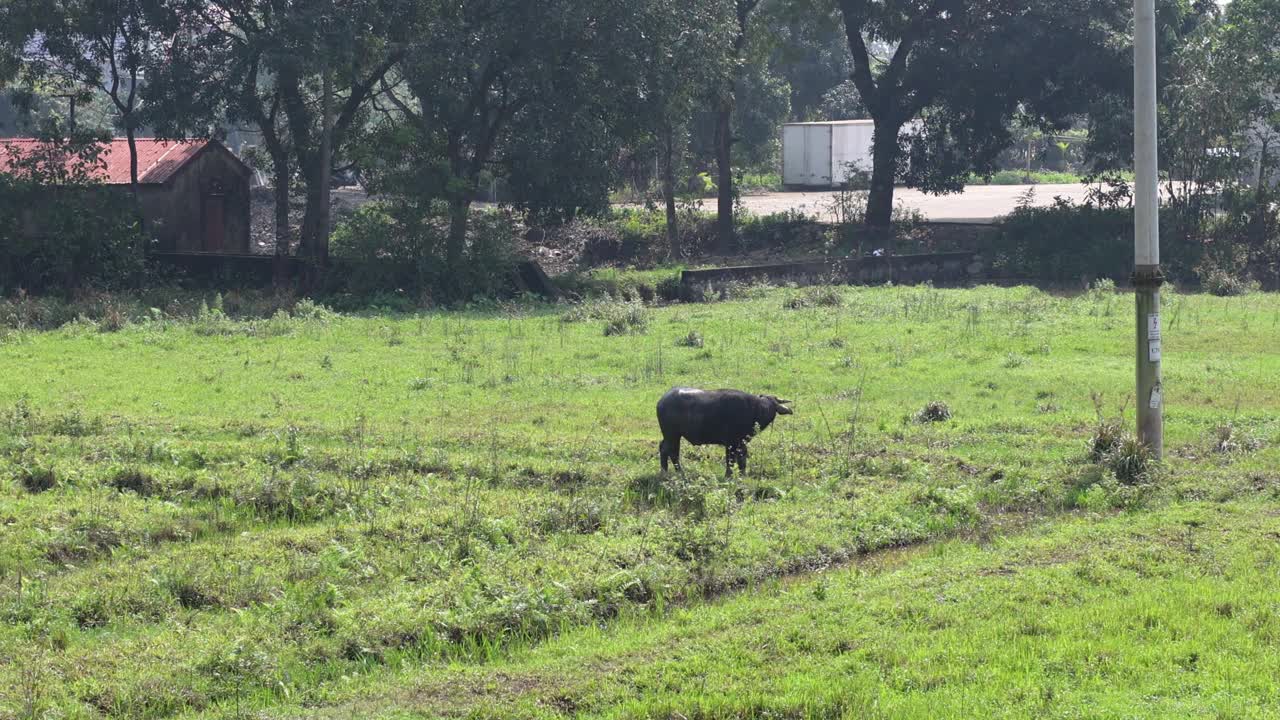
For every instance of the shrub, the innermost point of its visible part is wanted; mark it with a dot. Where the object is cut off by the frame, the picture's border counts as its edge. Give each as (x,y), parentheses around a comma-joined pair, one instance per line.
(377,251)
(1107,434)
(1102,288)
(621,317)
(1228,439)
(779,230)
(668,289)
(1129,461)
(1064,242)
(399,247)
(20,419)
(633,321)
(308,309)
(577,516)
(740,290)
(1224,283)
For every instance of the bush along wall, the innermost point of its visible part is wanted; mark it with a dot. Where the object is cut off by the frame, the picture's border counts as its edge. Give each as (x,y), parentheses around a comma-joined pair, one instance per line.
(1069,245)
(59,230)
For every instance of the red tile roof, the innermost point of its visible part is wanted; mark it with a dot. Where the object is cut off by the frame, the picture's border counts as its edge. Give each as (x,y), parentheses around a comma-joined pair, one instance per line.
(158,160)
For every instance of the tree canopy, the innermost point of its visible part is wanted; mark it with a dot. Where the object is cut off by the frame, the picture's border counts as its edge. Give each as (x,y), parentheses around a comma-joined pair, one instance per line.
(954,74)
(439,101)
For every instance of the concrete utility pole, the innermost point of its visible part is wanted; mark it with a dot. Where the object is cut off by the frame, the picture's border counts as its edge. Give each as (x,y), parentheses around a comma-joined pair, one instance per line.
(1147,277)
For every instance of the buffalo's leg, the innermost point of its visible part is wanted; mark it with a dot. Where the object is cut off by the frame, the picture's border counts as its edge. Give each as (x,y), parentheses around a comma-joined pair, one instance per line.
(669,449)
(735,453)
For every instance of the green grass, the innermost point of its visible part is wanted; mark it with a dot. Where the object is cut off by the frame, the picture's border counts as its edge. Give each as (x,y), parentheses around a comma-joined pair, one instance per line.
(218,516)
(1035,177)
(1159,615)
(760,182)
(1021,177)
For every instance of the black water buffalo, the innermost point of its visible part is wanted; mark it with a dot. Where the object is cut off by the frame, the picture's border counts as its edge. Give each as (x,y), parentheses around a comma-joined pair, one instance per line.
(714,417)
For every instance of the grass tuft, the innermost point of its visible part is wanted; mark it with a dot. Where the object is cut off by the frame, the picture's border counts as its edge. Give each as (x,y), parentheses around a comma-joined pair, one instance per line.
(1131,461)
(134,480)
(37,479)
(693,340)
(934,411)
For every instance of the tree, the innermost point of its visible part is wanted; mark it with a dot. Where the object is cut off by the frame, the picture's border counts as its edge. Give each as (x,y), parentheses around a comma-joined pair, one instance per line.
(963,70)
(217,74)
(725,100)
(281,65)
(687,51)
(104,46)
(540,93)
(1249,49)
(1247,57)
(211,82)
(1110,111)
(810,53)
(330,61)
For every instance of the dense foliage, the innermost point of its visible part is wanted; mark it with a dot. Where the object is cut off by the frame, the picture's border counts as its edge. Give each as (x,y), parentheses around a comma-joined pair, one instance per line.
(552,107)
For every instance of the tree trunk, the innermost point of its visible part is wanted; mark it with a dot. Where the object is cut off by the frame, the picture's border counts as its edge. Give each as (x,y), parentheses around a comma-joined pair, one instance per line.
(459,210)
(724,165)
(884,159)
(308,244)
(280,187)
(1258,221)
(129,134)
(326,165)
(280,190)
(669,193)
(283,239)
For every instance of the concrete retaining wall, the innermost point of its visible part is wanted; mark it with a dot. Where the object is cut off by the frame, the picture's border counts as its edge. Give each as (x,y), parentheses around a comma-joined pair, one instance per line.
(941,269)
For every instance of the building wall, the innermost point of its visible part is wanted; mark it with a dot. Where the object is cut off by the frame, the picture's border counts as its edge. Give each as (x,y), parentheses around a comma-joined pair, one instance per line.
(176,212)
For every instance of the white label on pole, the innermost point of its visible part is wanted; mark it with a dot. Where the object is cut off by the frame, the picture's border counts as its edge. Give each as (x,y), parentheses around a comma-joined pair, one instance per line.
(1153,326)
(1155,398)
(1153,350)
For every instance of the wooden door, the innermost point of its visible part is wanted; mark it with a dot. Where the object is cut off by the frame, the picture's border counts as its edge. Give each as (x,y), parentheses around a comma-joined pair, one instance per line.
(215,227)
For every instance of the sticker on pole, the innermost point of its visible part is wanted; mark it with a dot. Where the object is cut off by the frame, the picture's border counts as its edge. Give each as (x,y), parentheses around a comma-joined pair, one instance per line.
(1156,399)
(1153,350)
(1153,326)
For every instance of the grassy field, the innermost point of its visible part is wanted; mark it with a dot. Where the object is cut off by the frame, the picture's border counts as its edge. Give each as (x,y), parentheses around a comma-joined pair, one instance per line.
(316,513)
(1160,615)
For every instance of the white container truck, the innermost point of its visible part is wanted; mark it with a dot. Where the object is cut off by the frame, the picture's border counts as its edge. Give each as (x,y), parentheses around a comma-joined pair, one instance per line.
(817,154)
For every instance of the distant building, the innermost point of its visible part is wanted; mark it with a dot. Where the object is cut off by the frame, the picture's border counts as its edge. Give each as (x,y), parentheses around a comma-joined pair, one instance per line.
(821,154)
(825,154)
(193,195)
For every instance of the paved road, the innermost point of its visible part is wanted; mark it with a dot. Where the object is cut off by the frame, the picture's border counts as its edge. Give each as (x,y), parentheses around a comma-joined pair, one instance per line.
(978,203)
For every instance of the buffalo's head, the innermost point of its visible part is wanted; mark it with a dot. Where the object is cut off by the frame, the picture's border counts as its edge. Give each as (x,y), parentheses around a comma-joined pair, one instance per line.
(771,407)
(779,406)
